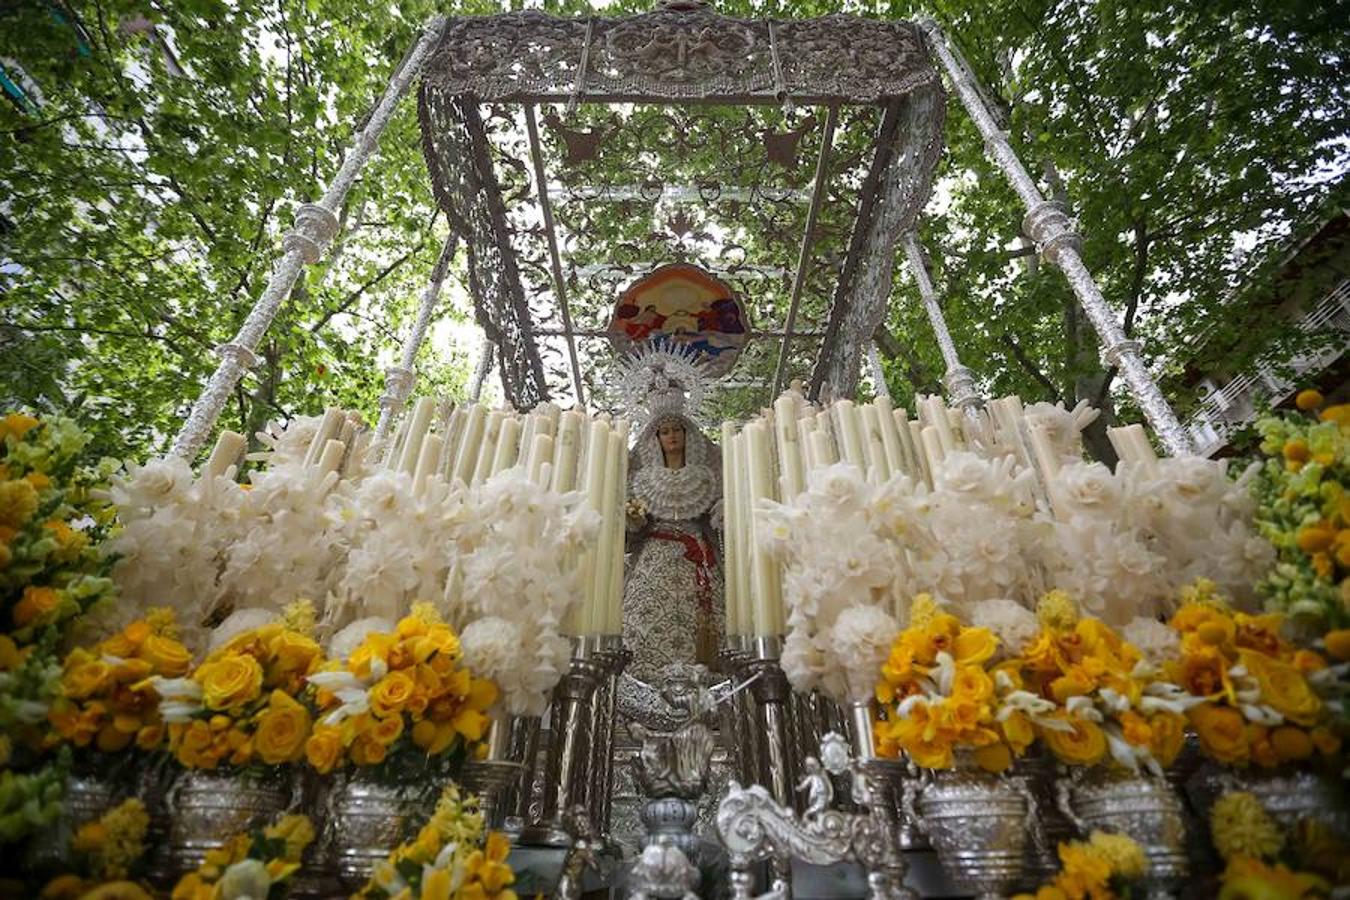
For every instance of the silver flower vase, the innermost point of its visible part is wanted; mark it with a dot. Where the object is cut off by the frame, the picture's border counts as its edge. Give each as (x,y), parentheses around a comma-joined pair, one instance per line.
(1288,795)
(499,769)
(978,824)
(365,821)
(209,808)
(1139,806)
(86,797)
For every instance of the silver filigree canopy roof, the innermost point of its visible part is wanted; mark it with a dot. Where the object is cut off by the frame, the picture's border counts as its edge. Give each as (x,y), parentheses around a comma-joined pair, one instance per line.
(786,157)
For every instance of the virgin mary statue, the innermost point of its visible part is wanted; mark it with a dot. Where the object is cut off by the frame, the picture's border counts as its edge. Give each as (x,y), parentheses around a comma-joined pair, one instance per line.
(673,601)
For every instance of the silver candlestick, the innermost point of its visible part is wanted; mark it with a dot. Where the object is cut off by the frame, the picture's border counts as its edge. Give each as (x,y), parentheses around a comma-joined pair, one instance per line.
(774,731)
(567,774)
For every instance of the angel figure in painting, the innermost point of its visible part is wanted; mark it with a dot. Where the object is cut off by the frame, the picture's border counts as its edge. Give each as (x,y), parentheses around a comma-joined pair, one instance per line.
(673,603)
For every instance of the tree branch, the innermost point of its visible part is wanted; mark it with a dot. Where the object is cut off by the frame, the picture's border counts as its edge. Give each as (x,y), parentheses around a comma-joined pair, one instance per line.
(1025,361)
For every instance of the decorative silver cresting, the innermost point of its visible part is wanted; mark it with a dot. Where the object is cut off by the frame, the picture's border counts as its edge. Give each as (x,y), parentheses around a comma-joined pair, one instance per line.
(754,827)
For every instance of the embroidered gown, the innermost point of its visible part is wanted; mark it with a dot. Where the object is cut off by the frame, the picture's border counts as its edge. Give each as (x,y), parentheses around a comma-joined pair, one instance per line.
(674,603)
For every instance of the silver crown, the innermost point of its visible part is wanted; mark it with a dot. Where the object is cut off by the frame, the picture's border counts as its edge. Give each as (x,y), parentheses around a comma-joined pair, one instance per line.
(660,380)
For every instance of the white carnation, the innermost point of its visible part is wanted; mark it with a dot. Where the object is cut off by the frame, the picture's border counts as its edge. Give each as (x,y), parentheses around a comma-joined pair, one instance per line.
(1012,623)
(1156,641)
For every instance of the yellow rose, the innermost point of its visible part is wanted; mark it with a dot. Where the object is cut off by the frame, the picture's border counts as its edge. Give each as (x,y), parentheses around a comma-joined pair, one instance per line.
(294,652)
(1085,745)
(1222,733)
(229,681)
(36,603)
(390,693)
(170,658)
(1017,731)
(1283,687)
(974,646)
(324,749)
(296,830)
(366,751)
(387,730)
(282,730)
(85,679)
(972,684)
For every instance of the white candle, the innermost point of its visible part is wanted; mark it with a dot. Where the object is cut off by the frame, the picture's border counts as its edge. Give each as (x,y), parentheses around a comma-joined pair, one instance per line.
(729,510)
(878,470)
(744,523)
(427,460)
(329,426)
(331,456)
(1046,455)
(789,451)
(508,445)
(932,448)
(607,613)
(890,439)
(454,434)
(937,414)
(1121,443)
(226,453)
(1143,448)
(915,431)
(487,451)
(850,434)
(822,454)
(566,451)
(422,412)
(805,428)
(355,458)
(466,455)
(767,604)
(597,452)
(540,454)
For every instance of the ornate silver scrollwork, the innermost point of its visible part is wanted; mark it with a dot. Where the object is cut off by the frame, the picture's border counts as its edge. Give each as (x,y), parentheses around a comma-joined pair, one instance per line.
(755,827)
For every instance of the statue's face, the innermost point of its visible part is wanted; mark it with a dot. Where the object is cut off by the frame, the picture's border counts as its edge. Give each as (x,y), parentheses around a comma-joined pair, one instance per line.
(671,436)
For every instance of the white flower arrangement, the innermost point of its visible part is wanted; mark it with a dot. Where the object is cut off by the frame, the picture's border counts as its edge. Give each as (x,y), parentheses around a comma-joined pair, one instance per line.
(844,573)
(518,578)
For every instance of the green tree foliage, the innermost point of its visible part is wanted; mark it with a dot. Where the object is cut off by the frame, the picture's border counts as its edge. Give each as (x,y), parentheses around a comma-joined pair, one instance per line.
(145,193)
(145,190)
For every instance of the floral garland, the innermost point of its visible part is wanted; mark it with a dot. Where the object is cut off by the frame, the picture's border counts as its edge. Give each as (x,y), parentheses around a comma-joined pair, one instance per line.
(399,697)
(245,703)
(1261,700)
(109,849)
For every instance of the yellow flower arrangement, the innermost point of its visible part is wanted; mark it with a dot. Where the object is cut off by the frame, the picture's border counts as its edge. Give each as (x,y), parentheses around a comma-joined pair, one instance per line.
(1100,868)
(939,696)
(1260,697)
(449,859)
(247,702)
(107,696)
(110,847)
(1108,704)
(399,692)
(249,864)
(1249,842)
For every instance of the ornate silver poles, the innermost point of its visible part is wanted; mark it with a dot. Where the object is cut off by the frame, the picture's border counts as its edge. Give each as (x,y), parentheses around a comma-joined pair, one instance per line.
(398,380)
(315,226)
(1049,225)
(960,381)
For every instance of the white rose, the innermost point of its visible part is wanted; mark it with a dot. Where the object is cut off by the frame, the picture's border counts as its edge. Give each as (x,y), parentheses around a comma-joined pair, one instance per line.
(1087,488)
(963,473)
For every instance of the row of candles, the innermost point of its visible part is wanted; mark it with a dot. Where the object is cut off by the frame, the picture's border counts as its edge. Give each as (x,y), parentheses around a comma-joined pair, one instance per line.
(559,451)
(771,456)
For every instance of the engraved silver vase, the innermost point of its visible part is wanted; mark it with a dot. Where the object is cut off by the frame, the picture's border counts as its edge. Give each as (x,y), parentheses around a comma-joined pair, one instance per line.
(1289,796)
(207,809)
(364,822)
(1139,806)
(978,824)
